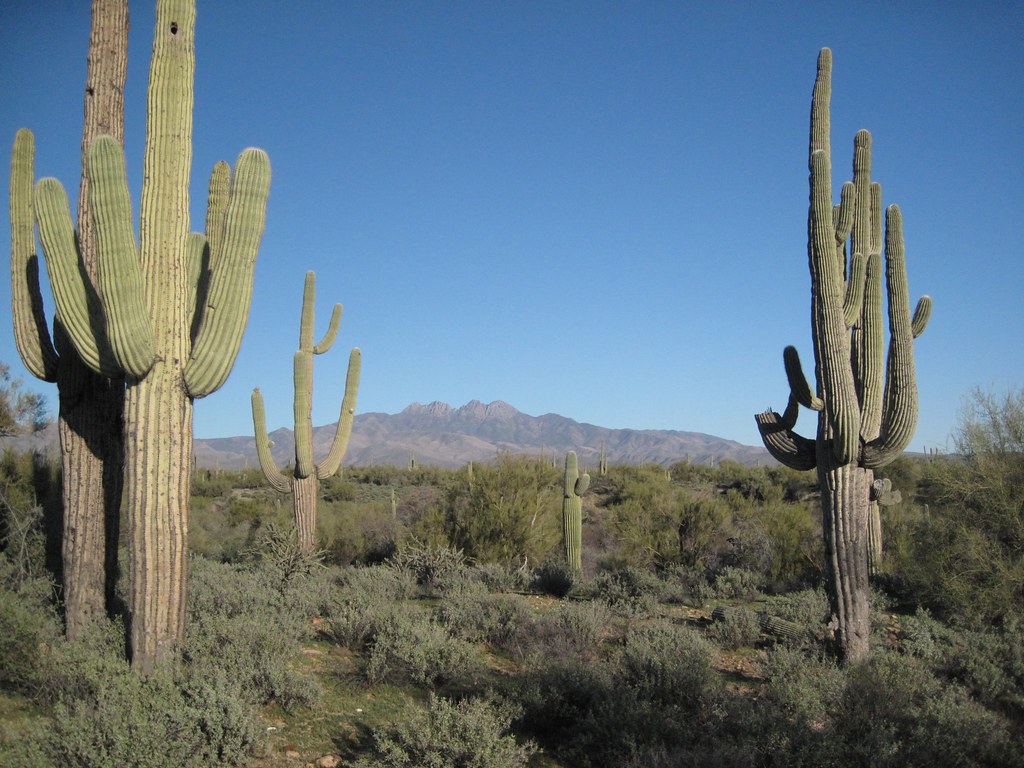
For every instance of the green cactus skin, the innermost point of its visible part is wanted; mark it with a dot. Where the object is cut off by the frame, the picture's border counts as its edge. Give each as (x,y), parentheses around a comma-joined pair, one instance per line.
(866,400)
(304,484)
(572,512)
(144,302)
(882,495)
(90,406)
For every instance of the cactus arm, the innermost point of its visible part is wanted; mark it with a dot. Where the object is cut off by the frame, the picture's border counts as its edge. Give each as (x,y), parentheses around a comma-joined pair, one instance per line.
(332,332)
(302,366)
(197,251)
(582,484)
(31,333)
(226,311)
(306,320)
(853,303)
(785,445)
(127,319)
(217,198)
(798,384)
(274,476)
(899,418)
(75,311)
(922,312)
(332,461)
(831,339)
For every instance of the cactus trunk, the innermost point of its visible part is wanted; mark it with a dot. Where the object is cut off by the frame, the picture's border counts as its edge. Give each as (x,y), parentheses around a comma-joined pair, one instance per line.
(90,407)
(305,491)
(572,512)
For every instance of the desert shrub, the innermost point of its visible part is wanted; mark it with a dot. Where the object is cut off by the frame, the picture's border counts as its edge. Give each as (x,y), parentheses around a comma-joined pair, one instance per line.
(794,706)
(670,666)
(571,706)
(497,577)
(361,599)
(434,568)
(476,615)
(808,608)
(414,647)
(28,626)
(247,624)
(104,714)
(553,577)
(660,698)
(508,513)
(628,591)
(569,630)
(473,732)
(736,629)
(963,558)
(153,723)
(357,532)
(894,712)
(733,583)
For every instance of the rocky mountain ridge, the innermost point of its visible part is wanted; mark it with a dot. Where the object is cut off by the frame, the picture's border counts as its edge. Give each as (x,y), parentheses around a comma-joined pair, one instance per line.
(441,435)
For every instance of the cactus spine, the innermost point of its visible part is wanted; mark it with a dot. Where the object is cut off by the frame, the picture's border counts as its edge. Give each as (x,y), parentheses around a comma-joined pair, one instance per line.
(572,512)
(866,406)
(304,483)
(144,325)
(91,406)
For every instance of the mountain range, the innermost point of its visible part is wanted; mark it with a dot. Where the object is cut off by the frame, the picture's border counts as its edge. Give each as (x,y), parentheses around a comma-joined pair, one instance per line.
(440,435)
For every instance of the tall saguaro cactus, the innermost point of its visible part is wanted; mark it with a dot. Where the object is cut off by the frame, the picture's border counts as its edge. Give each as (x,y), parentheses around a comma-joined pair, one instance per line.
(304,483)
(168,316)
(572,512)
(866,405)
(90,405)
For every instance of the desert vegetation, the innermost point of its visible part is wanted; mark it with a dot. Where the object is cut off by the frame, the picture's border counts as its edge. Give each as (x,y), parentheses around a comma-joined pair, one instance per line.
(438,622)
(657,616)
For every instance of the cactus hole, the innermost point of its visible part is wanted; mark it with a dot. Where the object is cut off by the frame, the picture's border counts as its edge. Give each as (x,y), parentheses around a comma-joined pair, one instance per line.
(174,27)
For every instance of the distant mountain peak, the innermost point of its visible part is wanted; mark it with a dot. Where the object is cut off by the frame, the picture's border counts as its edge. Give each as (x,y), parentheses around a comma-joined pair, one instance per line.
(498,409)
(436,408)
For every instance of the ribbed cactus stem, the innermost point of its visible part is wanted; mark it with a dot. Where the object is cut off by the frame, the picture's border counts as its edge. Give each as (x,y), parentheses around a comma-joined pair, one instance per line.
(867,401)
(304,483)
(30,330)
(575,485)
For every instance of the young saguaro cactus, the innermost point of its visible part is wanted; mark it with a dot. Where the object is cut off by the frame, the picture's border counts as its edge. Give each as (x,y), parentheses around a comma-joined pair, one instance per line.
(572,511)
(866,401)
(304,483)
(89,422)
(168,316)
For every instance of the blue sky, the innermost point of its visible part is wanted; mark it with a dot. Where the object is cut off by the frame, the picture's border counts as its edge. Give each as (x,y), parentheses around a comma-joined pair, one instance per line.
(588,208)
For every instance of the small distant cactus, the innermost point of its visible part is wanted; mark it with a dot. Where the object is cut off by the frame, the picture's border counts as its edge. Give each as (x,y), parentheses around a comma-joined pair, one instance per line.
(572,512)
(304,483)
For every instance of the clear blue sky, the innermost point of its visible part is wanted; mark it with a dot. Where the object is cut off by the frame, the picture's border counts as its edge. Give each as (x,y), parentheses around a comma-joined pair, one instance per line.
(589,208)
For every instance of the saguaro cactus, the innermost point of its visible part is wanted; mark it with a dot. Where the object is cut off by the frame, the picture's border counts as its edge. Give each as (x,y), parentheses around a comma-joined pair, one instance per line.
(572,511)
(90,406)
(866,406)
(168,316)
(304,483)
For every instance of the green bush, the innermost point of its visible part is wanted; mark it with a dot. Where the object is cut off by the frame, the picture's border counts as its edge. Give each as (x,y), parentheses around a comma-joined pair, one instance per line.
(628,591)
(410,646)
(479,616)
(473,732)
(738,628)
(553,577)
(569,630)
(247,624)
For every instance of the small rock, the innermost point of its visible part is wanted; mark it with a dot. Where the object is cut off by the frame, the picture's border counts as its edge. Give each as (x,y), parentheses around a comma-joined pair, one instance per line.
(328,761)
